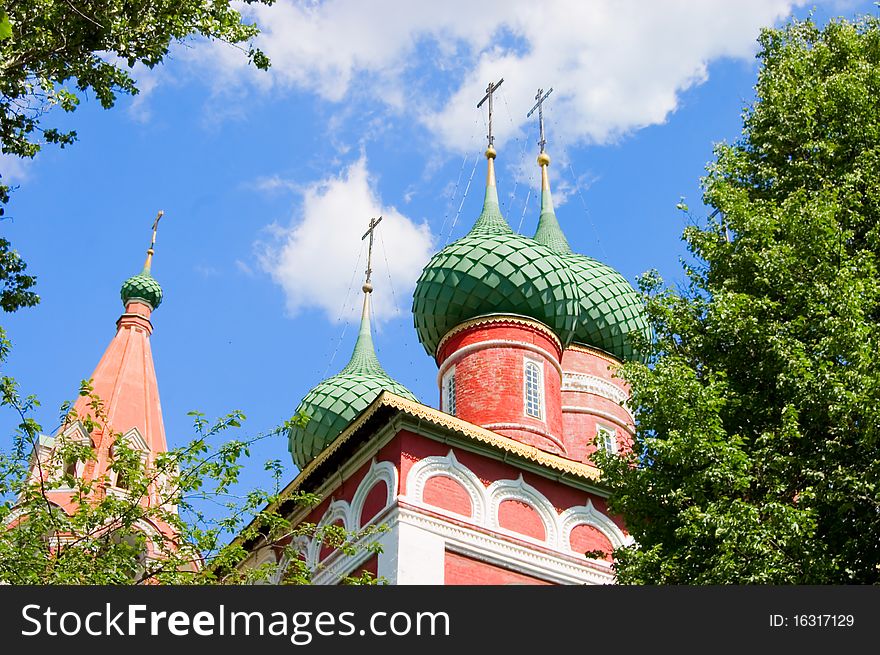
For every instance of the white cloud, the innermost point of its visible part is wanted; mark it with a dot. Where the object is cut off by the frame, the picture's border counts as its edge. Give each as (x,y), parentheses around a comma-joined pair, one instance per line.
(14,170)
(320,259)
(615,65)
(146,79)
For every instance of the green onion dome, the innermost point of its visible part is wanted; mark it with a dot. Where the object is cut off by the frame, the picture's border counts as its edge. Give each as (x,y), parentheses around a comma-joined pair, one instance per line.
(142,286)
(336,401)
(493,270)
(610,309)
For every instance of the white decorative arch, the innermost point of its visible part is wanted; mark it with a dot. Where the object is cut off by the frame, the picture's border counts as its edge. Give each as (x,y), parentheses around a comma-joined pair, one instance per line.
(523,492)
(449,467)
(339,510)
(589,515)
(379,472)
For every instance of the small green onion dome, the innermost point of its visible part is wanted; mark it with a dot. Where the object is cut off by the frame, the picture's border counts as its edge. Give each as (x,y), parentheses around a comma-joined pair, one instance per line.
(493,270)
(142,286)
(336,401)
(610,309)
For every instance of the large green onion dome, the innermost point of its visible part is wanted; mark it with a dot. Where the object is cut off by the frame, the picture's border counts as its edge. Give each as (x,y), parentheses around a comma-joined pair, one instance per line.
(493,270)
(610,309)
(336,401)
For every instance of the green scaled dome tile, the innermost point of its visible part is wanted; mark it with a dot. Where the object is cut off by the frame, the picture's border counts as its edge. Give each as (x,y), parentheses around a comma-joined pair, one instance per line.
(142,286)
(336,401)
(332,405)
(493,273)
(610,308)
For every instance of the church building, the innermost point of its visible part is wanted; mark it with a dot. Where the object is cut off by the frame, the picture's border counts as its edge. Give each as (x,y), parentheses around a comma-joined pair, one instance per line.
(497,485)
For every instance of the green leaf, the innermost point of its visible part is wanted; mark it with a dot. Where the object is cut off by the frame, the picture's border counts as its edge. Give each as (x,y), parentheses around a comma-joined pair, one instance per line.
(5,27)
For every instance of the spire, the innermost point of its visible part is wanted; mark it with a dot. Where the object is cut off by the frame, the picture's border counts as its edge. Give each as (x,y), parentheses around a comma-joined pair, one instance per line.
(125,377)
(490,219)
(363,359)
(549,233)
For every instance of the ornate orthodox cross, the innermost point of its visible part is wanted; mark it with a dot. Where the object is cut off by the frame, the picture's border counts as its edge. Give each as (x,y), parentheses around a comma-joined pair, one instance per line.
(369,233)
(492,88)
(541,97)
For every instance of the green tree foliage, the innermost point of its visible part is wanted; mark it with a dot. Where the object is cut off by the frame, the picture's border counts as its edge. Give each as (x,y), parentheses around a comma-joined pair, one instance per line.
(114,536)
(54,52)
(756,457)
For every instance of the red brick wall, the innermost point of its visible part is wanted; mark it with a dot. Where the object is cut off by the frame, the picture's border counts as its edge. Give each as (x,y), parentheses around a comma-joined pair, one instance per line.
(375,501)
(586,538)
(462,570)
(489,382)
(518,517)
(446,493)
(579,428)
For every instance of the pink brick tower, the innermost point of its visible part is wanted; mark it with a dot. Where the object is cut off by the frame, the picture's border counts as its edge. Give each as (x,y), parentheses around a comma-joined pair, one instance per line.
(125,383)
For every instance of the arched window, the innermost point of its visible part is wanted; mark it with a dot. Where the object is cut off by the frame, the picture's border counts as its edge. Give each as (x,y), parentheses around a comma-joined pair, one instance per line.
(123,477)
(533,389)
(447,393)
(606,439)
(70,466)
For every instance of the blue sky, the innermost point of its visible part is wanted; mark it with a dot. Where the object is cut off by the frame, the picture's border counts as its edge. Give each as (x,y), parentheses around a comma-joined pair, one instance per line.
(268,180)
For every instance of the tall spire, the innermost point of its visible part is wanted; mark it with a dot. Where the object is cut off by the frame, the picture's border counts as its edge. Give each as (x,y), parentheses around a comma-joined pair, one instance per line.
(491,219)
(549,233)
(363,359)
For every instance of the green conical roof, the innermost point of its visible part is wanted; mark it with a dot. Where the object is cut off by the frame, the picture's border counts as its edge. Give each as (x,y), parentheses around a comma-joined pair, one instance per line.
(336,401)
(610,309)
(142,286)
(493,270)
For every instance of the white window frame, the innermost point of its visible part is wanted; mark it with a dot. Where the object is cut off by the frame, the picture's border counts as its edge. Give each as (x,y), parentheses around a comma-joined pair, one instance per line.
(606,438)
(539,368)
(447,392)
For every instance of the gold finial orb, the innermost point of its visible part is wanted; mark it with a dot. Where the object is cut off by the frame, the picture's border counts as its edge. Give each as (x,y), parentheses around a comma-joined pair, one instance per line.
(490,153)
(543,159)
(367,288)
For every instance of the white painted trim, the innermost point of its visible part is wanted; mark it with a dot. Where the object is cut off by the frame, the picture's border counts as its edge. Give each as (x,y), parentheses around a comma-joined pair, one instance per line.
(338,510)
(378,472)
(561,569)
(495,427)
(414,547)
(589,515)
(450,467)
(599,413)
(496,343)
(519,490)
(595,385)
(135,440)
